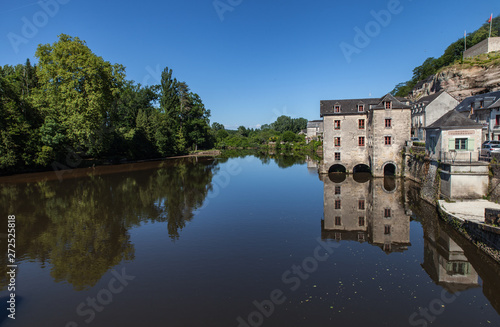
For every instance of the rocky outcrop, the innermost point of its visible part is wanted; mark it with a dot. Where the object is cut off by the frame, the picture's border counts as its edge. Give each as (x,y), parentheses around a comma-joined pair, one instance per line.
(461,81)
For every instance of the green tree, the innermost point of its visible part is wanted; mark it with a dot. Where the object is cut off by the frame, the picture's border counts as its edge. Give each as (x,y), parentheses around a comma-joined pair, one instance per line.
(78,89)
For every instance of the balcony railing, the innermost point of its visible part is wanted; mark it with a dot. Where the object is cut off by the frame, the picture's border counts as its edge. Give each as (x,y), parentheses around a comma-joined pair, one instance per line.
(457,156)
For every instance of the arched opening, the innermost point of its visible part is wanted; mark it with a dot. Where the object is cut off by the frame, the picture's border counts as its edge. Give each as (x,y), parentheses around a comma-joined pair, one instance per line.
(390,169)
(337,169)
(337,173)
(361,168)
(361,173)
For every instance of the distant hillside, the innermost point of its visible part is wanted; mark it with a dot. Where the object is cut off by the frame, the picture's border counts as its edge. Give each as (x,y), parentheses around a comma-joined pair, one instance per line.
(452,56)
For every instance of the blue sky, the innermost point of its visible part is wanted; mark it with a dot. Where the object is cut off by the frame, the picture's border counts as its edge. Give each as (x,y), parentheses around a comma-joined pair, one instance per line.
(252,60)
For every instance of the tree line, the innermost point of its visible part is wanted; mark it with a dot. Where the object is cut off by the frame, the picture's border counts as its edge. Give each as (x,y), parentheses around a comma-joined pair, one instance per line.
(452,54)
(284,129)
(74,105)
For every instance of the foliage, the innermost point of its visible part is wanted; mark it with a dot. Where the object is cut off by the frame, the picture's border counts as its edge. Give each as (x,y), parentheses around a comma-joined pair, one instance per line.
(452,54)
(74,102)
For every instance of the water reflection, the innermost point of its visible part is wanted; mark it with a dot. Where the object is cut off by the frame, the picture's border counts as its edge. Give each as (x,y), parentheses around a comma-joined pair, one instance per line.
(445,262)
(451,260)
(363,209)
(80,226)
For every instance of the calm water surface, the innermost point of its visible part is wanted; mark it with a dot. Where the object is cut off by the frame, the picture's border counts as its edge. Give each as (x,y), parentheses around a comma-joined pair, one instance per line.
(244,241)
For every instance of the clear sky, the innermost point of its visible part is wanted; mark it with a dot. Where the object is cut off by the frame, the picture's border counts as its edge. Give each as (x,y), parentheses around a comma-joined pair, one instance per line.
(252,60)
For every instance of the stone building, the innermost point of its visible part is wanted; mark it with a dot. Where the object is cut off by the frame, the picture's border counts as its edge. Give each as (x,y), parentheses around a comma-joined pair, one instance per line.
(428,109)
(491,44)
(484,109)
(365,135)
(362,209)
(314,130)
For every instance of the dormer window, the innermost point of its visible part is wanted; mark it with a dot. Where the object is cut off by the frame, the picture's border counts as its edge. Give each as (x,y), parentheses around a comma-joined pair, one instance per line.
(388,105)
(361,107)
(336,108)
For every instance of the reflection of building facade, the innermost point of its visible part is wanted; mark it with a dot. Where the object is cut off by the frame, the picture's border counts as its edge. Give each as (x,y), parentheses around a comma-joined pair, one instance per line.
(445,261)
(363,209)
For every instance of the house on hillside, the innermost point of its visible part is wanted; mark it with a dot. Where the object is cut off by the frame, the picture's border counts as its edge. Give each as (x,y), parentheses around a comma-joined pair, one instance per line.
(484,109)
(428,109)
(365,134)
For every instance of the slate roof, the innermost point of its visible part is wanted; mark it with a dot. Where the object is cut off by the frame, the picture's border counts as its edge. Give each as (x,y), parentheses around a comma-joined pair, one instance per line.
(428,99)
(350,106)
(490,100)
(452,120)
(314,123)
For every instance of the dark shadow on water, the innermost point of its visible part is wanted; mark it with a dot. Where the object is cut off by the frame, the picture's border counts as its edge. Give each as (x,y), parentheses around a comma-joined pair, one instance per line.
(362,177)
(389,183)
(337,178)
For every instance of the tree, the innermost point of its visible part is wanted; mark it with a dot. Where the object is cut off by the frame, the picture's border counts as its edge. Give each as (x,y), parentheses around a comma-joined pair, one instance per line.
(217,126)
(78,89)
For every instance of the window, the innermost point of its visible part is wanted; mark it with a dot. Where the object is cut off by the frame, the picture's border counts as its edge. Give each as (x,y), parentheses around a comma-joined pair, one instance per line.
(387,247)
(337,189)
(361,108)
(361,141)
(338,221)
(497,120)
(337,141)
(388,140)
(361,124)
(337,204)
(361,237)
(387,229)
(361,221)
(460,144)
(481,104)
(388,123)
(336,124)
(387,212)
(361,204)
(388,105)
(336,108)
(337,156)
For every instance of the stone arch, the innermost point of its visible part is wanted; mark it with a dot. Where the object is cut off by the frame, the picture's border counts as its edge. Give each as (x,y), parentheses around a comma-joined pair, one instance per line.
(390,169)
(361,168)
(337,168)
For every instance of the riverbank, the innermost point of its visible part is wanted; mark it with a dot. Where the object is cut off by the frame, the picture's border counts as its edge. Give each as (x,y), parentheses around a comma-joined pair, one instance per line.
(468,218)
(60,169)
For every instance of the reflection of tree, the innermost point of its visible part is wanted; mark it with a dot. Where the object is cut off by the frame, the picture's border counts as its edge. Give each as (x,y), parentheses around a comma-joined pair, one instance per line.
(80,226)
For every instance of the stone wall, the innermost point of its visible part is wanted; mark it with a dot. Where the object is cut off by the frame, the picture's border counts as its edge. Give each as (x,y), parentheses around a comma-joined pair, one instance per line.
(480,48)
(351,154)
(382,154)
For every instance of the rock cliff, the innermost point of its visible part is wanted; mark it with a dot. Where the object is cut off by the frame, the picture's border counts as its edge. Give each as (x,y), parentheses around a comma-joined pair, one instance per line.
(479,75)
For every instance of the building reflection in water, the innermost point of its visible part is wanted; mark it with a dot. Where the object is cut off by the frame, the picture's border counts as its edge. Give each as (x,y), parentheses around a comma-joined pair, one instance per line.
(365,209)
(445,262)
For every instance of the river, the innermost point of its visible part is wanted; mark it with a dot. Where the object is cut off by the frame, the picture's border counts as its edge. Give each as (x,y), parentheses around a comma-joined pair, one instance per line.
(244,240)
